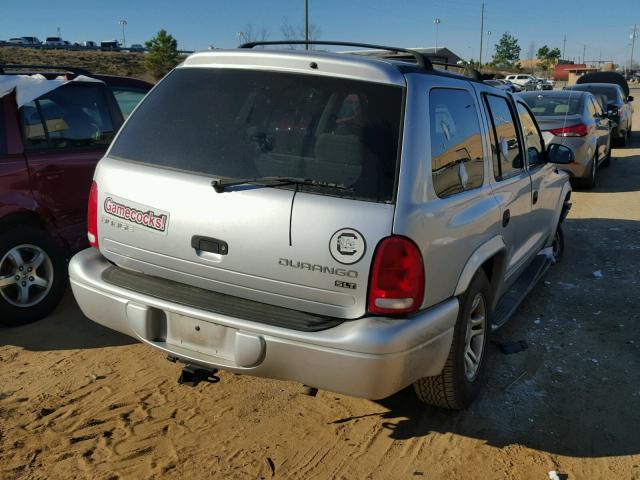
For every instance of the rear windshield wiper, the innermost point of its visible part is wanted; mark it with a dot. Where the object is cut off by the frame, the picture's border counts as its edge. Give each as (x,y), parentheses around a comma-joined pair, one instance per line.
(221,186)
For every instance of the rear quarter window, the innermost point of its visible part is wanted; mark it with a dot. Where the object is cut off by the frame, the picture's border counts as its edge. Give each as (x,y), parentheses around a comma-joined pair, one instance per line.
(457,159)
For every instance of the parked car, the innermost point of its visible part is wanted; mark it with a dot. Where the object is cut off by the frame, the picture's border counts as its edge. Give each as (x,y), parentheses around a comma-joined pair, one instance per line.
(31,41)
(48,151)
(497,84)
(16,41)
(109,45)
(575,119)
(89,44)
(523,80)
(619,108)
(323,255)
(544,84)
(136,47)
(54,42)
(514,88)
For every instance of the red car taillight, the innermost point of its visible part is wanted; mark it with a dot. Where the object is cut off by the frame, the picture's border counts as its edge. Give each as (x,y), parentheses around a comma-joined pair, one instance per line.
(92,216)
(579,130)
(397,277)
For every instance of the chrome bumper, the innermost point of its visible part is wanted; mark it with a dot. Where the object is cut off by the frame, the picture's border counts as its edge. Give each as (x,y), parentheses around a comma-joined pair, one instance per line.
(371,357)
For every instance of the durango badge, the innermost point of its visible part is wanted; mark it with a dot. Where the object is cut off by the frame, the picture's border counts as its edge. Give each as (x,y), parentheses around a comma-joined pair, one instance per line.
(347,246)
(137,214)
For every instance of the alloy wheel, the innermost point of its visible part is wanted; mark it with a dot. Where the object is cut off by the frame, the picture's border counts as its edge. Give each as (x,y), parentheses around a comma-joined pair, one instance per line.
(475,337)
(26,275)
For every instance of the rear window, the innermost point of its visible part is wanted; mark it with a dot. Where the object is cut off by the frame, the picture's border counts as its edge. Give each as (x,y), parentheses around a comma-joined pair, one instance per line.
(612,93)
(239,124)
(554,106)
(127,99)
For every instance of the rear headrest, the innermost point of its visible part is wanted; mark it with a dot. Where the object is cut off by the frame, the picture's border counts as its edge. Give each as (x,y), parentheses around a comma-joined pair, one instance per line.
(345,149)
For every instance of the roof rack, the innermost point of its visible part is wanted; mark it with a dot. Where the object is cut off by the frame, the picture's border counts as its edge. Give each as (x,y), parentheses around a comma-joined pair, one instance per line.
(422,60)
(74,70)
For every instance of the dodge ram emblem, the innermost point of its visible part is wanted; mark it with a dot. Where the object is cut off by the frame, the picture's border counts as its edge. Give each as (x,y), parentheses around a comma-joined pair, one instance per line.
(347,246)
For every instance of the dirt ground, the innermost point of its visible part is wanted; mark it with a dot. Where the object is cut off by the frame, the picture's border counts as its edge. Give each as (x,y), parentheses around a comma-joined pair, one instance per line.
(78,401)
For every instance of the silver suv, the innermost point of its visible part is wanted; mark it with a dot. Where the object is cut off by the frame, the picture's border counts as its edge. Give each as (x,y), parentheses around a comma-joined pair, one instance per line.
(353,223)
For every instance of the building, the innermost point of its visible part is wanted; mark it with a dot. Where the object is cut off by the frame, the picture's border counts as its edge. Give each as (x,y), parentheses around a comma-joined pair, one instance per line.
(561,70)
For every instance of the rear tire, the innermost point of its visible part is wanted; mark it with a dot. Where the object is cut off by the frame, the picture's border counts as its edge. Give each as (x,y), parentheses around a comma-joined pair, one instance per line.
(624,140)
(558,243)
(33,275)
(607,160)
(463,374)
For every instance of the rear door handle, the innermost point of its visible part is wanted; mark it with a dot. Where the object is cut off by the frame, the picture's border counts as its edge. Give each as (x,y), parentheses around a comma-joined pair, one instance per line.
(210,245)
(506,216)
(535,197)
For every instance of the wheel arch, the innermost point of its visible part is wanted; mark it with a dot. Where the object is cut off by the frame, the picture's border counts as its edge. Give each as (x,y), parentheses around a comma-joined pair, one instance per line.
(491,257)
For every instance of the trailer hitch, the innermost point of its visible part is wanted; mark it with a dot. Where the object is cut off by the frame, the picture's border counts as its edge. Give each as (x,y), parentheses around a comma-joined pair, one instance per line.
(192,375)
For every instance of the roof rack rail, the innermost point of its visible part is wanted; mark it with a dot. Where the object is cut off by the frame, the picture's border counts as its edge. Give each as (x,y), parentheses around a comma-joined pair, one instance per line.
(74,70)
(422,60)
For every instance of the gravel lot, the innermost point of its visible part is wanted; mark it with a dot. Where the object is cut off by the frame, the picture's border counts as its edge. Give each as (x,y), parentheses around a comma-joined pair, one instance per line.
(78,401)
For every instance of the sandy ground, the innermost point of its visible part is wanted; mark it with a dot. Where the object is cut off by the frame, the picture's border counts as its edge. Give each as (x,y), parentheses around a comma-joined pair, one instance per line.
(78,401)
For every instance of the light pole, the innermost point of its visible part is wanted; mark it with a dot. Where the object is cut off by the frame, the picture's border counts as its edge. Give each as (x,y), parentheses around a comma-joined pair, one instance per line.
(488,38)
(633,37)
(123,23)
(436,22)
(306,24)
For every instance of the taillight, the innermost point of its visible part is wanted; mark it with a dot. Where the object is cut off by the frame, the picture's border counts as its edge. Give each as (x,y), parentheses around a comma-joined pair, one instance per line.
(397,277)
(92,216)
(579,130)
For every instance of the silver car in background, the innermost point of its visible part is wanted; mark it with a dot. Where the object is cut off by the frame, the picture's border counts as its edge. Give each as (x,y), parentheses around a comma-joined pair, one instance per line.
(574,119)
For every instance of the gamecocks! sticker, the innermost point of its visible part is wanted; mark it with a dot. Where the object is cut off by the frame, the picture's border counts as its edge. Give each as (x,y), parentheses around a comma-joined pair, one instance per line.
(347,246)
(153,219)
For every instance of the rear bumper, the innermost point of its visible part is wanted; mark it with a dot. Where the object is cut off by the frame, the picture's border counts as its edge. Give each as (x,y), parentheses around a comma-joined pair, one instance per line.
(371,357)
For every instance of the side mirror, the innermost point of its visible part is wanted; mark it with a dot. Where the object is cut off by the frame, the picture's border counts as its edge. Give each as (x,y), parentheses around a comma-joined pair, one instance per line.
(559,154)
(629,99)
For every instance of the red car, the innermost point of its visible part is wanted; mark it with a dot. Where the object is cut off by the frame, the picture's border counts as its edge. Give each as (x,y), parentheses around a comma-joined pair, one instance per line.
(48,151)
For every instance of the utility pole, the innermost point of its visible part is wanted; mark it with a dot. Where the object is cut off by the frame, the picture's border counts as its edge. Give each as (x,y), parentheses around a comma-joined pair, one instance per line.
(634,35)
(564,45)
(306,24)
(584,53)
(481,33)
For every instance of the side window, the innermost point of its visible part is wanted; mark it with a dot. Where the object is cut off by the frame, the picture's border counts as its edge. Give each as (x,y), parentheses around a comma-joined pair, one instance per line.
(507,156)
(67,117)
(457,159)
(127,99)
(532,138)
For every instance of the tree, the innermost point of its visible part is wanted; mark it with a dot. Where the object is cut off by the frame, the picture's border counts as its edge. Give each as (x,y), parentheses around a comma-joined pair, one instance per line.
(162,54)
(507,51)
(547,57)
(250,34)
(289,32)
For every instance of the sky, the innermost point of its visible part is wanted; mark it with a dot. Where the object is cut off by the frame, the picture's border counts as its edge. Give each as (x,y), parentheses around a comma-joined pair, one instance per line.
(604,27)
